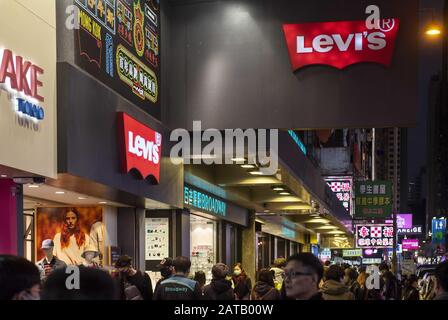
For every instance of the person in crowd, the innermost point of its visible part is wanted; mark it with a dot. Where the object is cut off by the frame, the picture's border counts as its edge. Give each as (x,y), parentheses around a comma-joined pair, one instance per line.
(94,284)
(303,273)
(362,279)
(441,274)
(50,262)
(70,243)
(327,263)
(389,283)
(19,279)
(410,291)
(166,270)
(350,280)
(242,284)
(199,276)
(219,288)
(178,286)
(133,284)
(264,288)
(279,272)
(334,287)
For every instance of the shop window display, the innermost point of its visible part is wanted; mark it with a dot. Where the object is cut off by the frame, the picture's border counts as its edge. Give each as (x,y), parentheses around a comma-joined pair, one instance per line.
(203,245)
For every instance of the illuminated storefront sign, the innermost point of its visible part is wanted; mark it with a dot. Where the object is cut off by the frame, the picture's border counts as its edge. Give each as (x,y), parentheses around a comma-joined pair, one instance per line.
(373,199)
(143,147)
(340,44)
(297,140)
(199,200)
(374,235)
(136,75)
(439,234)
(412,230)
(342,188)
(325,254)
(21,78)
(371,261)
(410,244)
(352,253)
(404,220)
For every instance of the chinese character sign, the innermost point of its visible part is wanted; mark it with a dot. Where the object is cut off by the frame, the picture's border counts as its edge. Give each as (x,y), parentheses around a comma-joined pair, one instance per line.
(374,236)
(404,220)
(342,188)
(373,199)
(438,232)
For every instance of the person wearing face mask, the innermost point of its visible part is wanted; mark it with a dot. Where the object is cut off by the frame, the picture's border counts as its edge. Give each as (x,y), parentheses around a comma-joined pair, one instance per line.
(242,285)
(166,270)
(50,262)
(19,279)
(134,284)
(89,254)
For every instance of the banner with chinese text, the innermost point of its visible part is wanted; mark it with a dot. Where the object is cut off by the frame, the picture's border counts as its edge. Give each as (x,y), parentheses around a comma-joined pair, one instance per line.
(374,235)
(373,199)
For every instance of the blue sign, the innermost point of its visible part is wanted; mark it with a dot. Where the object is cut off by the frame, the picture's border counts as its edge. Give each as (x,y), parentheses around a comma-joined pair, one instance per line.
(30,109)
(199,200)
(297,140)
(438,231)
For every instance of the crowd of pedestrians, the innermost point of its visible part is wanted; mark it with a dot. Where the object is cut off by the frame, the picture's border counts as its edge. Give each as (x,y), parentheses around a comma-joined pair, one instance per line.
(300,277)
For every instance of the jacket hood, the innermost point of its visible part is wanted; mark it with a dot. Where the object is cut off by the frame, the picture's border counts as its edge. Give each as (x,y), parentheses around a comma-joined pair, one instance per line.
(261,288)
(334,288)
(221,285)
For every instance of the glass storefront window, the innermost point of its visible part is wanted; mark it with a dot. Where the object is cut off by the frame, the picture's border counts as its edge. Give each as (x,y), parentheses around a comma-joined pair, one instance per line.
(203,245)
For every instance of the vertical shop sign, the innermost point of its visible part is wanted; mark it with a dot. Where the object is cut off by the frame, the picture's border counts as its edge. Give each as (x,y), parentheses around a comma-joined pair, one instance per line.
(373,199)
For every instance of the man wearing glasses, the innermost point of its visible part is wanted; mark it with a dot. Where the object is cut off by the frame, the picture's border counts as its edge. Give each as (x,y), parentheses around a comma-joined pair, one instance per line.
(303,272)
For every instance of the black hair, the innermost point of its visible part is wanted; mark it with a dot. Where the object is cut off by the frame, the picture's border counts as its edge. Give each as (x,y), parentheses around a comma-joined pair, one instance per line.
(94,284)
(383,266)
(441,274)
(123,261)
(267,276)
(199,276)
(16,275)
(335,273)
(351,273)
(308,260)
(182,264)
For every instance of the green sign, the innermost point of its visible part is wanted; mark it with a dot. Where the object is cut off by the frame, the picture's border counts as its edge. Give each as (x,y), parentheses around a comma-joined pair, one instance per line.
(204,202)
(352,253)
(373,199)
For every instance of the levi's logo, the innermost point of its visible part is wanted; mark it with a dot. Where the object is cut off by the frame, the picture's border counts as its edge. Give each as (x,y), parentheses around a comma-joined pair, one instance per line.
(142,147)
(340,44)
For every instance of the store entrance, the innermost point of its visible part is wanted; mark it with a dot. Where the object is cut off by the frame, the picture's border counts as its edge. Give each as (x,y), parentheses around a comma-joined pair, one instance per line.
(203,245)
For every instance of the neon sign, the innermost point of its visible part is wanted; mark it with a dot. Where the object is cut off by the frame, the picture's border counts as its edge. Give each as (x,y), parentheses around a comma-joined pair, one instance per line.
(202,201)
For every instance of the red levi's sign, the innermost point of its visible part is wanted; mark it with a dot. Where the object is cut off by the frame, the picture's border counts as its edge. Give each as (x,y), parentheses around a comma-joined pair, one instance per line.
(340,44)
(142,147)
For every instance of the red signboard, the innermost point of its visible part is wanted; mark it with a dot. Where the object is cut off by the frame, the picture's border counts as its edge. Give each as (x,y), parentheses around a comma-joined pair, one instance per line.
(23,75)
(340,44)
(374,236)
(142,147)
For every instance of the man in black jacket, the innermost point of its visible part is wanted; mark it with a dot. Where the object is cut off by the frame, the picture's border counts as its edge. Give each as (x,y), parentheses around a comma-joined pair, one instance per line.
(131,279)
(178,286)
(220,288)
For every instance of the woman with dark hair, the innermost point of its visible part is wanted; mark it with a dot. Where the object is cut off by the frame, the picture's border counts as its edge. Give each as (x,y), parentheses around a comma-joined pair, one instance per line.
(199,276)
(265,289)
(71,242)
(242,285)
